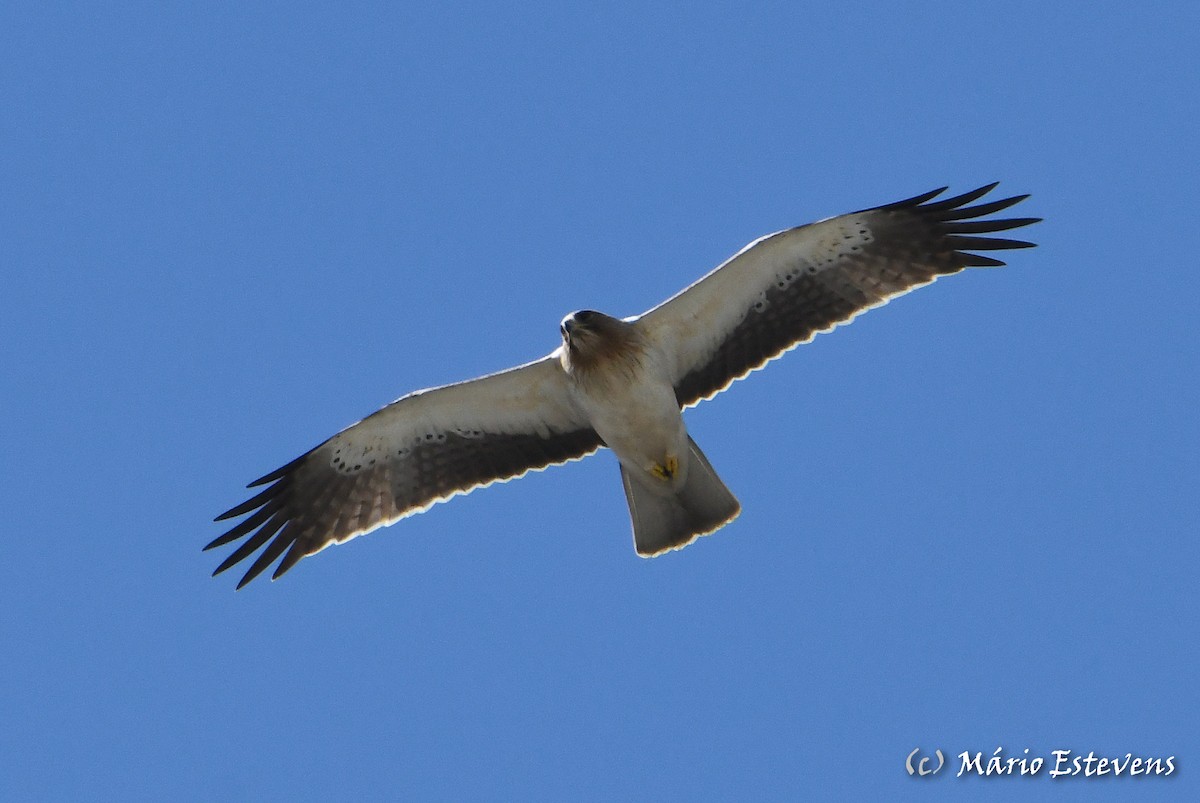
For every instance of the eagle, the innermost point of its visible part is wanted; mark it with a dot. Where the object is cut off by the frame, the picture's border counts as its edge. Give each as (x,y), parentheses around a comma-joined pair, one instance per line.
(622,383)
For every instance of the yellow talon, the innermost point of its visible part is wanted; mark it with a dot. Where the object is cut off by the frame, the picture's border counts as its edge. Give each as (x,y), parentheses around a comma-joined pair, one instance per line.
(666,472)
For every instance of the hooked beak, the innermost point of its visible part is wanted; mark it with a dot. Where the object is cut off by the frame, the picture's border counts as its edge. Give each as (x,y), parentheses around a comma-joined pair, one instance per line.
(568,326)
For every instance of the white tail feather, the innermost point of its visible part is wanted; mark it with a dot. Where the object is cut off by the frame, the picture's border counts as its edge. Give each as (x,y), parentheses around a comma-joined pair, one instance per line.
(662,523)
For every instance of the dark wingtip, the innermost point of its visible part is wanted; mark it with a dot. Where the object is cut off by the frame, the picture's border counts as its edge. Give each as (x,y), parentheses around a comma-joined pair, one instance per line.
(980,261)
(293,556)
(247,577)
(976,226)
(253,543)
(279,472)
(960,225)
(959,201)
(251,522)
(979,210)
(916,200)
(274,550)
(963,243)
(256,501)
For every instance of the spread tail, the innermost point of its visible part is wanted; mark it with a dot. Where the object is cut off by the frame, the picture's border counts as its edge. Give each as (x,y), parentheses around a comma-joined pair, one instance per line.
(661,523)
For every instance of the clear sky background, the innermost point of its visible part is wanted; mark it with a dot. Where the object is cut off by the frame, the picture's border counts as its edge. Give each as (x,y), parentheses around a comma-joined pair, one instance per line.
(970,518)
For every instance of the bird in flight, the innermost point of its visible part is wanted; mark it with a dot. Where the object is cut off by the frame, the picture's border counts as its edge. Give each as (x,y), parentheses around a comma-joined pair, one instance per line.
(620,383)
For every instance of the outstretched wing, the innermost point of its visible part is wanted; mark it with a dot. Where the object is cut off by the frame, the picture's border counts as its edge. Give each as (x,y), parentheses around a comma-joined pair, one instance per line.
(421,449)
(779,291)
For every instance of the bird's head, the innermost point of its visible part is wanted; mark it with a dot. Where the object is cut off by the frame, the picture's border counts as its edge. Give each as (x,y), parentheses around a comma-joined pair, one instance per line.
(579,323)
(589,336)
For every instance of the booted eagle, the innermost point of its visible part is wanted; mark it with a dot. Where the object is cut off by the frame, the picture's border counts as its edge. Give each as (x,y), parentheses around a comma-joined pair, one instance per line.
(620,383)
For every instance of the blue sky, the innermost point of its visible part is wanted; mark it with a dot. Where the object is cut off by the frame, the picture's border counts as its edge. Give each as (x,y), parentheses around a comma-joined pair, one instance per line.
(229,230)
